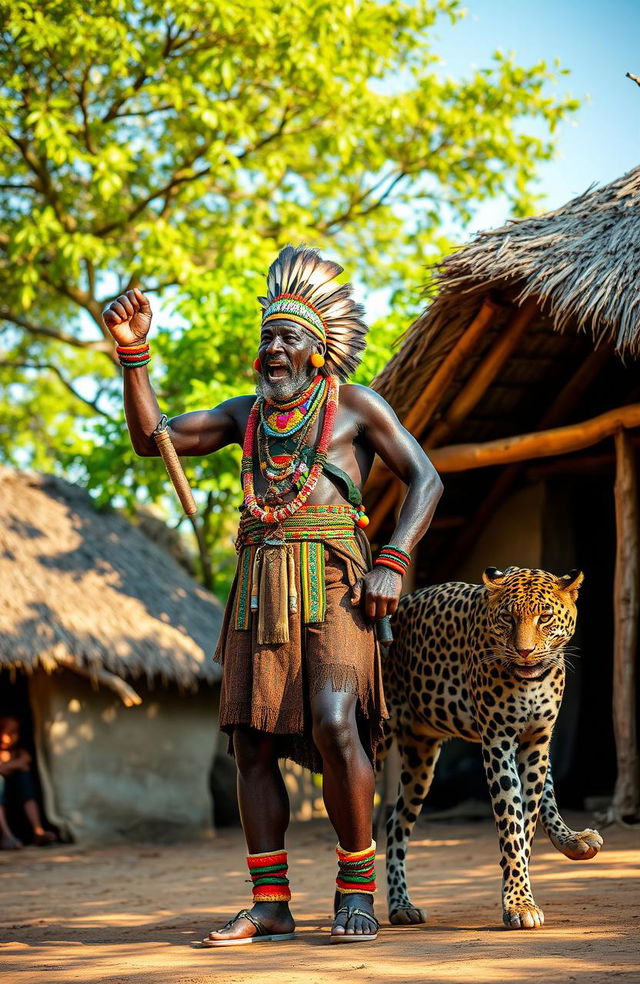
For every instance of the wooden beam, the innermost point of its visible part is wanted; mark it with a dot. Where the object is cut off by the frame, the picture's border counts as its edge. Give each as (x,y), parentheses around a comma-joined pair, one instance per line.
(127,694)
(594,463)
(420,414)
(626,598)
(563,404)
(429,400)
(478,384)
(576,387)
(470,395)
(543,444)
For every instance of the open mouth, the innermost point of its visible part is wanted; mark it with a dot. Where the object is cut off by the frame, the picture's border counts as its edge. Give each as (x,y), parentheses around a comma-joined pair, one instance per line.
(530,671)
(276,370)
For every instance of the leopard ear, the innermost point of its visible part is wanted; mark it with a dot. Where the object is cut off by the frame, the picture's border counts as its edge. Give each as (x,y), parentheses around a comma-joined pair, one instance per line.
(493,578)
(571,583)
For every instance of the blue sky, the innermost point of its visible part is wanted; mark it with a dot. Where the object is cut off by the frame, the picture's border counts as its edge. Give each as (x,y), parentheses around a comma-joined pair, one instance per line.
(598,42)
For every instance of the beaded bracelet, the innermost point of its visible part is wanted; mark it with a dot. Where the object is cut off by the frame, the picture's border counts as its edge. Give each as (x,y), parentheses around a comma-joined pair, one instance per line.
(394,558)
(132,356)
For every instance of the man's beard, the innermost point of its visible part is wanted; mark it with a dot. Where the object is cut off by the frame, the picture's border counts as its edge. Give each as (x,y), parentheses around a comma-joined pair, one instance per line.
(279,390)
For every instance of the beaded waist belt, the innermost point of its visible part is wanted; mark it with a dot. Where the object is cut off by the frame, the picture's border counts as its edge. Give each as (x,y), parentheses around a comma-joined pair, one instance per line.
(266,583)
(308,523)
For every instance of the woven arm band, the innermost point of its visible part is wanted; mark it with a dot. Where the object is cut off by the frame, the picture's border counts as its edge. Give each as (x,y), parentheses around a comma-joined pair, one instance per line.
(393,557)
(132,356)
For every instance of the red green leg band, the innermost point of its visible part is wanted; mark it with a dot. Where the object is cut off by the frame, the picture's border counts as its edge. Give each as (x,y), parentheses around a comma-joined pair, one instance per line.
(356,870)
(269,876)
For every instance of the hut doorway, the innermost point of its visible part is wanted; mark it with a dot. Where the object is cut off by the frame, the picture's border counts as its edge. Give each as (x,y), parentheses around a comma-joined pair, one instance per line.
(579,531)
(15,703)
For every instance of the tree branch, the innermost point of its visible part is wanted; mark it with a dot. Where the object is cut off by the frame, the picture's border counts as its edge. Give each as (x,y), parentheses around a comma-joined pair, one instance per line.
(175,182)
(41,366)
(350,212)
(17,187)
(179,178)
(403,171)
(45,183)
(148,112)
(84,109)
(81,297)
(136,85)
(58,336)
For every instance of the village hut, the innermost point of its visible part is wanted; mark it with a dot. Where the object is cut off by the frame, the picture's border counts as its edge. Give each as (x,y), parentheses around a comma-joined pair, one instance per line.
(105,650)
(521,381)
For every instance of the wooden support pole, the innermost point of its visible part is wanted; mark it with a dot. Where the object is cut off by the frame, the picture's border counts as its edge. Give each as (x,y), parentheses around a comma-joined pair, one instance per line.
(626,599)
(470,394)
(543,444)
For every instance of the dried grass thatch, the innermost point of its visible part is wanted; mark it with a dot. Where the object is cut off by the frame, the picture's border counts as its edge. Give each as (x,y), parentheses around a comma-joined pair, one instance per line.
(580,262)
(85,589)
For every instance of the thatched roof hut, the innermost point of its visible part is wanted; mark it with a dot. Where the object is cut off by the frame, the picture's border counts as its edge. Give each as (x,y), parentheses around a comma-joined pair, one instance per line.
(527,351)
(87,591)
(90,606)
(579,264)
(532,326)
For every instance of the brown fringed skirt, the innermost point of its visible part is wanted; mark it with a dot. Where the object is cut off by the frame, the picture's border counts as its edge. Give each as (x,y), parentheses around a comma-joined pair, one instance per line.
(268,687)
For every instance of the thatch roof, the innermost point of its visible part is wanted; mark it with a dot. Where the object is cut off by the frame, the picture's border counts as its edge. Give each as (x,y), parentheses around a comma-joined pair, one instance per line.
(86,589)
(581,264)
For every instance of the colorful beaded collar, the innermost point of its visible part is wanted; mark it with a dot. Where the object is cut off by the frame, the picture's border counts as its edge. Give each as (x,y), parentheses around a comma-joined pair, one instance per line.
(269,514)
(283,419)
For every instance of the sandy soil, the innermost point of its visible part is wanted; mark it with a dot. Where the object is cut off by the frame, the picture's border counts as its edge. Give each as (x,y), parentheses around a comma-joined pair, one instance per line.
(130,914)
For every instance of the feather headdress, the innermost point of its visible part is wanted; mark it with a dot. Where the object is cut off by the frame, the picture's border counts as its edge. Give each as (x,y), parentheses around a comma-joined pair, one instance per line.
(301,288)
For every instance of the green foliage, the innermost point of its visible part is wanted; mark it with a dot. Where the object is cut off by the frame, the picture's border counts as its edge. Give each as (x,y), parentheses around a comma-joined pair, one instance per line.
(177,147)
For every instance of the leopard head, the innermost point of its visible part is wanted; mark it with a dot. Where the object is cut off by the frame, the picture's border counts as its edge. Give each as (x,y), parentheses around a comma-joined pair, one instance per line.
(531,616)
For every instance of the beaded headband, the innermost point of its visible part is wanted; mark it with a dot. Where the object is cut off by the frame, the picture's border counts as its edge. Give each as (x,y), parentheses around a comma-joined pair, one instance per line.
(296,309)
(301,288)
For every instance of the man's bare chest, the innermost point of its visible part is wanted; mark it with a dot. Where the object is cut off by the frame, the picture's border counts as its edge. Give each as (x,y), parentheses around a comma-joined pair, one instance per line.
(347,451)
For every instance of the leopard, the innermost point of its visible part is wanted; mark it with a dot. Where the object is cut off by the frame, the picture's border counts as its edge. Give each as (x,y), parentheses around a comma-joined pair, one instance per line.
(486,663)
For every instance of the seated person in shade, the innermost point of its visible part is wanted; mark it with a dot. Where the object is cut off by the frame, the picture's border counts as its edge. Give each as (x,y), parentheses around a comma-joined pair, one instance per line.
(16,779)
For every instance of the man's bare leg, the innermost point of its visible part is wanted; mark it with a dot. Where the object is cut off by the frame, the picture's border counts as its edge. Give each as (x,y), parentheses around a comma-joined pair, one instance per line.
(348,786)
(264,811)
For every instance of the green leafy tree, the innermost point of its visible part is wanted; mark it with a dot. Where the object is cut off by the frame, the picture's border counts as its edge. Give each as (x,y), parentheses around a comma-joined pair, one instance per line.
(177,147)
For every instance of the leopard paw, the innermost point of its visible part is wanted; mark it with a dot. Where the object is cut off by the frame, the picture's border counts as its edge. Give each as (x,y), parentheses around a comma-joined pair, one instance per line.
(523,915)
(407,916)
(582,846)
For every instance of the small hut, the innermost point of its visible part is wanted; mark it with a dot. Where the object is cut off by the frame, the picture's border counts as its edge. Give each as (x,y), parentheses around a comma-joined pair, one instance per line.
(521,381)
(106,647)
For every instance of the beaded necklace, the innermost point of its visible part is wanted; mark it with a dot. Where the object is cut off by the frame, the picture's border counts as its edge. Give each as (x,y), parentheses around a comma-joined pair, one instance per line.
(283,419)
(264,511)
(287,468)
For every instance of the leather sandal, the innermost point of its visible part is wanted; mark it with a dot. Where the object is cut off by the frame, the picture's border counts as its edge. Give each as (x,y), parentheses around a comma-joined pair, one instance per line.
(355,937)
(262,935)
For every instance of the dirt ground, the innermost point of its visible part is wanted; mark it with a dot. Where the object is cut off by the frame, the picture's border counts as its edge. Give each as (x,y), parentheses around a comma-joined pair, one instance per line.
(131,914)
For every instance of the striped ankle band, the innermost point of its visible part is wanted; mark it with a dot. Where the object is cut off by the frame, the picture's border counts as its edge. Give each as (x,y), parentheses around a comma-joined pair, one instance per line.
(269,876)
(356,870)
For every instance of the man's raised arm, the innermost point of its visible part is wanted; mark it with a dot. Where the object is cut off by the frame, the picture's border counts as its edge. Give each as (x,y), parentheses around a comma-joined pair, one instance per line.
(128,319)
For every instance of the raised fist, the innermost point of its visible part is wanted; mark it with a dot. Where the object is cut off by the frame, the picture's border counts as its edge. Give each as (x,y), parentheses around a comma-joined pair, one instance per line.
(128,318)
